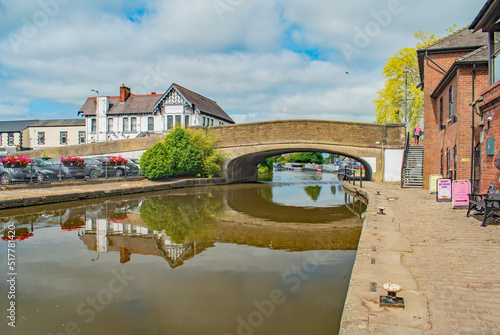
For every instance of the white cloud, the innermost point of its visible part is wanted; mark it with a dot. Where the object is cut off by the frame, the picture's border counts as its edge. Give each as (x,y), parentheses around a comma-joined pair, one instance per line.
(249,56)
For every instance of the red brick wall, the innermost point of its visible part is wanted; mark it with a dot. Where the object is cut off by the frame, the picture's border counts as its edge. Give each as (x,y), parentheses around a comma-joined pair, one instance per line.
(489,173)
(456,134)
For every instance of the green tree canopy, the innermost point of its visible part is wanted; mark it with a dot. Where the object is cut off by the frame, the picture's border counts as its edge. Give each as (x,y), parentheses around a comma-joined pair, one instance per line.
(390,101)
(184,152)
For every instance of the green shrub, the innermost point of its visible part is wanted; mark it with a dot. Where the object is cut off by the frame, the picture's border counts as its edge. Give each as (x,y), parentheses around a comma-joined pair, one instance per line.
(184,152)
(156,162)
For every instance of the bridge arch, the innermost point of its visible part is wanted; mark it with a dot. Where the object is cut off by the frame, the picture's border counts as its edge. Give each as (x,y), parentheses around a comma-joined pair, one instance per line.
(250,143)
(244,167)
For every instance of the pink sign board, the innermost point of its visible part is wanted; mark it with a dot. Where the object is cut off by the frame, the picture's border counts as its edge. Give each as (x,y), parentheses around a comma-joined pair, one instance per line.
(461,190)
(443,190)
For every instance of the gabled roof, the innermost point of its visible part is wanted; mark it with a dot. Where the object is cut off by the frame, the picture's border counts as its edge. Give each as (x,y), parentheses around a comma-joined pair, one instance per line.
(135,104)
(461,39)
(202,104)
(148,104)
(478,56)
(59,123)
(15,126)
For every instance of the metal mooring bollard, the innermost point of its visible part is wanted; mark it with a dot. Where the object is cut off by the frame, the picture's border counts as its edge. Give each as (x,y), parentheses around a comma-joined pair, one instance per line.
(391,300)
(381,210)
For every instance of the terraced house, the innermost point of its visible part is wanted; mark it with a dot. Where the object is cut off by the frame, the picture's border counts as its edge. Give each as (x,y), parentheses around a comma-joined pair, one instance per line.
(110,118)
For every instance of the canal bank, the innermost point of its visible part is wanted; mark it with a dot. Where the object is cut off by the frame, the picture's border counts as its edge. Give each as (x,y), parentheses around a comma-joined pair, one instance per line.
(446,264)
(35,194)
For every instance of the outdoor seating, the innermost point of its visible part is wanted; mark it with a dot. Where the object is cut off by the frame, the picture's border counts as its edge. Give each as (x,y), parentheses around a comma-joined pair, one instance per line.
(488,203)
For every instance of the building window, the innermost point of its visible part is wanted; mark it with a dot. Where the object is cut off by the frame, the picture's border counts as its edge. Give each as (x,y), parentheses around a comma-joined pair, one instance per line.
(151,124)
(93,125)
(204,118)
(212,122)
(186,121)
(126,126)
(81,137)
(63,137)
(1,139)
(178,120)
(133,124)
(41,137)
(441,110)
(451,100)
(110,125)
(170,121)
(10,139)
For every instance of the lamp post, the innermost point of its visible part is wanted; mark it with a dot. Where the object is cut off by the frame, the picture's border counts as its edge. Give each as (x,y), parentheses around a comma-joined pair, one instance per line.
(96,114)
(406,99)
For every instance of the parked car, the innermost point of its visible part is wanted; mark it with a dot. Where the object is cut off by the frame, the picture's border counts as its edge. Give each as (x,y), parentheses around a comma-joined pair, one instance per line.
(68,172)
(9,175)
(131,168)
(137,163)
(45,171)
(96,168)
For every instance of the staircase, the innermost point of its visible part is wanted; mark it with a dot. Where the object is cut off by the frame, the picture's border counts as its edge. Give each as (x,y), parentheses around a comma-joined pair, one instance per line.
(413,167)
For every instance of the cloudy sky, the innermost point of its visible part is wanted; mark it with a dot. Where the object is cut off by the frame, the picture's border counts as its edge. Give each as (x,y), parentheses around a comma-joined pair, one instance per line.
(259,59)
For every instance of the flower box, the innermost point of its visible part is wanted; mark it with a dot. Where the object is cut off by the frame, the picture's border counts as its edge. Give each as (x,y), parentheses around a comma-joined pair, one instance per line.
(117,160)
(16,161)
(72,161)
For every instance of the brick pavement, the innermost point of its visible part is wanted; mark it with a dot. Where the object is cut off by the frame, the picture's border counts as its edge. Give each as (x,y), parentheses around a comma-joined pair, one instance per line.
(452,284)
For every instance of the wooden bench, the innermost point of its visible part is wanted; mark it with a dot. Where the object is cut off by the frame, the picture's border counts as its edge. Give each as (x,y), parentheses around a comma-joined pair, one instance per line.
(488,203)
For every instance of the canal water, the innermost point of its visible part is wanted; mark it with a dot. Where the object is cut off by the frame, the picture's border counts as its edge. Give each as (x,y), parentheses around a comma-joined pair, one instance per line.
(273,257)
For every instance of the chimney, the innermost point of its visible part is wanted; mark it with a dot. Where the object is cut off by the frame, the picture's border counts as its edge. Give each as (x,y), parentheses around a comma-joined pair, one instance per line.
(124,93)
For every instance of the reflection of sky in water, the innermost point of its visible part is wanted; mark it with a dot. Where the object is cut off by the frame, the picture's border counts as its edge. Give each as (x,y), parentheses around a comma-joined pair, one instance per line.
(300,189)
(57,274)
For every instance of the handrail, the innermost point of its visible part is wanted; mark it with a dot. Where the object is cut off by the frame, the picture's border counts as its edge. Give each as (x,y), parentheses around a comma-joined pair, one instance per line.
(405,157)
(350,175)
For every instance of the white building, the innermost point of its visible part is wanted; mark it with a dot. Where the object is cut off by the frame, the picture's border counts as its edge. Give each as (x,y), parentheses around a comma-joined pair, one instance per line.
(131,116)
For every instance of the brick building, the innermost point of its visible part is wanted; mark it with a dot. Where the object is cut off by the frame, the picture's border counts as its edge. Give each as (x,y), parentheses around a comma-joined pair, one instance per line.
(453,72)
(489,102)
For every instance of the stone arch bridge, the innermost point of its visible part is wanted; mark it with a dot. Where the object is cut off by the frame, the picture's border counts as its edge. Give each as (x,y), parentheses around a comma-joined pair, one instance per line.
(248,144)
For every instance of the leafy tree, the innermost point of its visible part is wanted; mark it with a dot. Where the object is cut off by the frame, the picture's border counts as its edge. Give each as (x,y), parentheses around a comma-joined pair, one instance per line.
(390,102)
(184,153)
(266,165)
(156,162)
(306,157)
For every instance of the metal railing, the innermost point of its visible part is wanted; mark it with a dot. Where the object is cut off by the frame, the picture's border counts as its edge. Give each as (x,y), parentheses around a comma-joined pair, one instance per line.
(33,173)
(352,175)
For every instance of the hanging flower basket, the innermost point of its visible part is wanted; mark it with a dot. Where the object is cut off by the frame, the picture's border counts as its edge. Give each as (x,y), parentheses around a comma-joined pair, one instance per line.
(16,161)
(118,217)
(19,235)
(72,161)
(117,160)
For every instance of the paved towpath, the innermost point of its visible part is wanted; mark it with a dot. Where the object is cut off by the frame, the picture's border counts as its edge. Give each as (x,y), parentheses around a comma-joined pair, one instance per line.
(447,264)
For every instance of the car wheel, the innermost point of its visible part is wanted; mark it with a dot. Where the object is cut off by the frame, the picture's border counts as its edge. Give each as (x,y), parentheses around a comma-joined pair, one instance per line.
(94,174)
(5,179)
(39,177)
(119,173)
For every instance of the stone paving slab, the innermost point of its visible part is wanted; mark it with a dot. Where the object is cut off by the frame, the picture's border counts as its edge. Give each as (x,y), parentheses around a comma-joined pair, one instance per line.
(447,264)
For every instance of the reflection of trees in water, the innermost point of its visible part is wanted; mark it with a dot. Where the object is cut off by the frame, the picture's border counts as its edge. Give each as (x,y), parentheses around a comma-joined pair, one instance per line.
(265,193)
(334,189)
(313,192)
(181,218)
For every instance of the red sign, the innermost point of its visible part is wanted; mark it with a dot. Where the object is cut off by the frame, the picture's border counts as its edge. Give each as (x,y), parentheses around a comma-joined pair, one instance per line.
(461,191)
